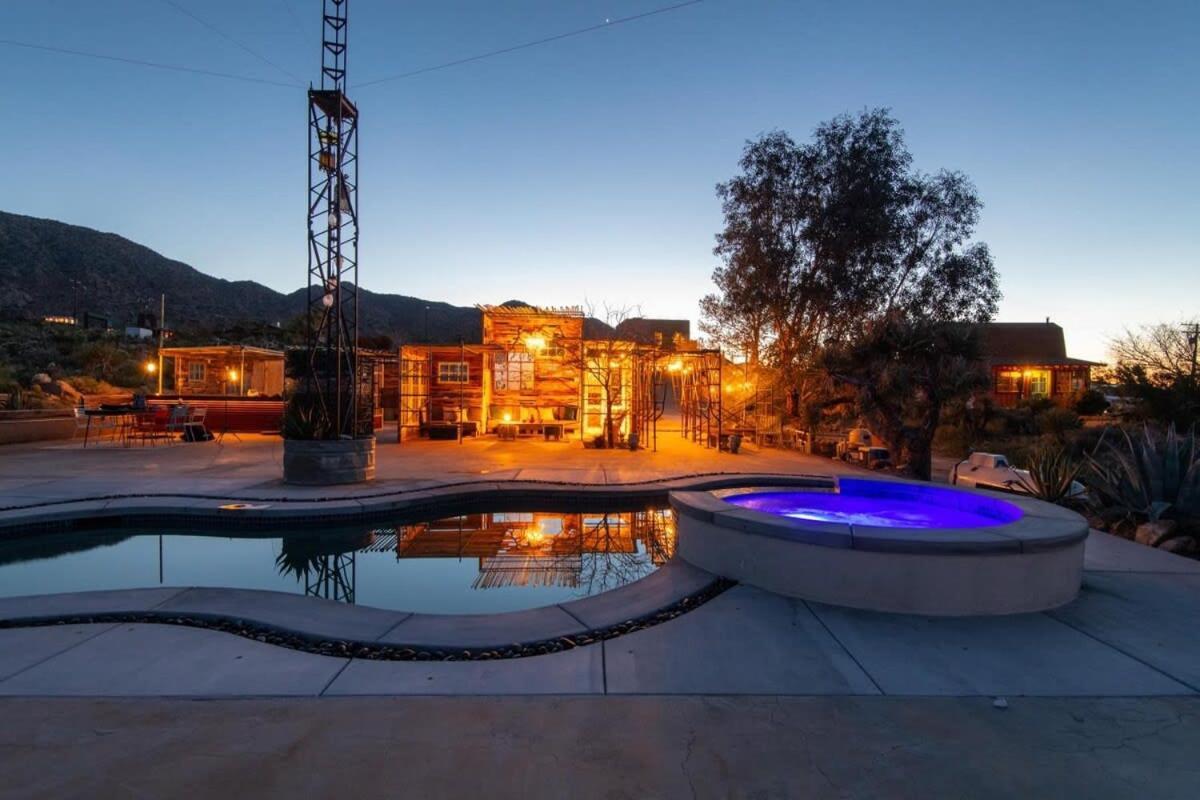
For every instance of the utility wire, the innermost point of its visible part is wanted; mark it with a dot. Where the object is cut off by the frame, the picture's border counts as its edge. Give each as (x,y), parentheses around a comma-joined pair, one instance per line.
(140,63)
(608,23)
(234,41)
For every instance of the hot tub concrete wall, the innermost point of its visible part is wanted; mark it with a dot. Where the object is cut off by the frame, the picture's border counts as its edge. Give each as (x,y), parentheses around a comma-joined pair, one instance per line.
(908,583)
(1031,564)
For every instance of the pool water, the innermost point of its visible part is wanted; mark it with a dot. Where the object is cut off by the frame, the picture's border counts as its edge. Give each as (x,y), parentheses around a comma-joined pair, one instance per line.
(470,563)
(898,506)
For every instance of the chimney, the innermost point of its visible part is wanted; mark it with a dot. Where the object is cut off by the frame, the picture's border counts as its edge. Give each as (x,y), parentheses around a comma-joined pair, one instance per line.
(1047,320)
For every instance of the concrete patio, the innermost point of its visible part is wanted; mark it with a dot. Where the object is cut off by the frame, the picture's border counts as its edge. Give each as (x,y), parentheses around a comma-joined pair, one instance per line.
(751,694)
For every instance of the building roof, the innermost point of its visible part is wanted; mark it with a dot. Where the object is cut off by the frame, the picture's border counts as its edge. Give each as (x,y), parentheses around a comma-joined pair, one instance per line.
(517,307)
(643,329)
(1027,343)
(223,351)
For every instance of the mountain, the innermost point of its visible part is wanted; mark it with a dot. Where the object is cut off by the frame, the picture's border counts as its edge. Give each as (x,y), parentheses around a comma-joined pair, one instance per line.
(49,267)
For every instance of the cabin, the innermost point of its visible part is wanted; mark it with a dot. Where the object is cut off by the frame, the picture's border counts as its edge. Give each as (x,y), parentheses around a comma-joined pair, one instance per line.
(535,371)
(525,372)
(1029,359)
(240,387)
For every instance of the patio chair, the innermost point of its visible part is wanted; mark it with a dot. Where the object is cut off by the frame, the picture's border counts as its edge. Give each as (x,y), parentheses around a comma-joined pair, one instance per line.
(194,428)
(176,423)
(144,427)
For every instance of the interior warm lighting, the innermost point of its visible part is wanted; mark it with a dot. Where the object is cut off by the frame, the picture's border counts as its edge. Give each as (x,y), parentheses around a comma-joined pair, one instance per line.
(532,537)
(507,416)
(151,367)
(233,374)
(535,343)
(675,366)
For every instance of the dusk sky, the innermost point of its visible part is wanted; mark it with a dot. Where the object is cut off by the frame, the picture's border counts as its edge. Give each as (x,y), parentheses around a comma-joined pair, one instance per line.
(583,169)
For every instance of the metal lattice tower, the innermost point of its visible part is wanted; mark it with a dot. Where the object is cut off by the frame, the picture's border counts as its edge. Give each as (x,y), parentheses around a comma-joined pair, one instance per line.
(332,378)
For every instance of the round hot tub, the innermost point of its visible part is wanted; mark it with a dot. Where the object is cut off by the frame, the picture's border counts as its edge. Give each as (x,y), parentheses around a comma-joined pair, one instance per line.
(888,545)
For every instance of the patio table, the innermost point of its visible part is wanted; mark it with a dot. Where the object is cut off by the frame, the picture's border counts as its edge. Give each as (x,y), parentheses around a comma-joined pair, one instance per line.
(121,414)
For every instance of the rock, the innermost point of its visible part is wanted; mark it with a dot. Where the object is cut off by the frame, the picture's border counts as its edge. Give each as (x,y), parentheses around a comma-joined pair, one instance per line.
(65,389)
(1181,546)
(1096,522)
(1000,703)
(1152,533)
(1125,528)
(41,379)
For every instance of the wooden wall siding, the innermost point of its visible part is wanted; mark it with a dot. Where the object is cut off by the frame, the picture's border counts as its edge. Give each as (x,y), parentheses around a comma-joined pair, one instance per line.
(264,376)
(510,328)
(1060,384)
(556,377)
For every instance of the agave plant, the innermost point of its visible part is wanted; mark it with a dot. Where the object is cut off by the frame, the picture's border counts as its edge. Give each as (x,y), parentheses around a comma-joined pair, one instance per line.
(1052,474)
(304,419)
(1149,475)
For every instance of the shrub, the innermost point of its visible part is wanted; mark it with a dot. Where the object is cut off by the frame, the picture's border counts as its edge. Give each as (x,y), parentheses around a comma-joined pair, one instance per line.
(1058,422)
(1052,473)
(305,419)
(1149,475)
(1090,403)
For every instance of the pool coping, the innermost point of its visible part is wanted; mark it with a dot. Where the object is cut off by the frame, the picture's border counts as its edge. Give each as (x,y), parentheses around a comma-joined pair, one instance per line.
(1041,527)
(326,627)
(251,510)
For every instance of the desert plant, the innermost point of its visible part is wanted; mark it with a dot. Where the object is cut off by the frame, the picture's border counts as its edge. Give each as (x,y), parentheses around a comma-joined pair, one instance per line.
(1090,403)
(1058,422)
(1052,473)
(305,419)
(1149,475)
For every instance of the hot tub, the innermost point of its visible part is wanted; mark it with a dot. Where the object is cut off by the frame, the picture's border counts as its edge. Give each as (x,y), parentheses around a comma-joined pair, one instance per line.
(888,545)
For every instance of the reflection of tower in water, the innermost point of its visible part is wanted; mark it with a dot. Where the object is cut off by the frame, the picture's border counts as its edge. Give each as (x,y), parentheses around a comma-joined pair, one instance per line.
(327,565)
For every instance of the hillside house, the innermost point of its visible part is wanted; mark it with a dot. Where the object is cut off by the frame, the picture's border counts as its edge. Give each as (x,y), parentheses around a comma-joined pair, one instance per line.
(1029,359)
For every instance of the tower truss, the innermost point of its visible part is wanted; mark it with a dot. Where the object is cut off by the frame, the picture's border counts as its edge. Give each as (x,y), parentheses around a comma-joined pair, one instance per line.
(333,379)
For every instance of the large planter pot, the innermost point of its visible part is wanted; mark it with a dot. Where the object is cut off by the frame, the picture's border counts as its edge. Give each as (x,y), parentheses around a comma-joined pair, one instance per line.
(323,463)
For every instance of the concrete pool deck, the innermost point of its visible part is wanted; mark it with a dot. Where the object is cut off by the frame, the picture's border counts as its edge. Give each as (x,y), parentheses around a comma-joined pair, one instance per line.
(1130,633)
(749,694)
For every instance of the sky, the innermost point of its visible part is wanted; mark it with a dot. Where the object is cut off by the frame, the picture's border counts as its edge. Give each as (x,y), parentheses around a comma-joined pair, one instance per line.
(582,171)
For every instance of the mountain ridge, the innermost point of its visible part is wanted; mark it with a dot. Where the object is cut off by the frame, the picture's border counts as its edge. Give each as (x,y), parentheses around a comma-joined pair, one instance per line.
(48,267)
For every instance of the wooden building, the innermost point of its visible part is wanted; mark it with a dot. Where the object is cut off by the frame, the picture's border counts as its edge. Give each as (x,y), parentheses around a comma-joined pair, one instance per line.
(1029,359)
(526,370)
(240,386)
(538,370)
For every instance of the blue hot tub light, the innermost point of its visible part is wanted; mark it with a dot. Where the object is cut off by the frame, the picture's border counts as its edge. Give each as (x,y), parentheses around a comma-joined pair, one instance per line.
(883,504)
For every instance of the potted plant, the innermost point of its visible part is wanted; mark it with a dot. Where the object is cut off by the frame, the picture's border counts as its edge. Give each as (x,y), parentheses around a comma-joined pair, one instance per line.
(313,455)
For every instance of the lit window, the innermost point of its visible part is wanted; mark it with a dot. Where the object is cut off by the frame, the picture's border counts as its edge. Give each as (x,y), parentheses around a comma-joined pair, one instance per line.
(513,371)
(196,372)
(1008,381)
(453,372)
(1039,383)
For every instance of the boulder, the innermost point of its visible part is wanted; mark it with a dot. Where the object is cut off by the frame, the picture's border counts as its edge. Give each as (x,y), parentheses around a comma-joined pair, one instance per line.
(1181,546)
(1153,533)
(41,379)
(1125,528)
(65,389)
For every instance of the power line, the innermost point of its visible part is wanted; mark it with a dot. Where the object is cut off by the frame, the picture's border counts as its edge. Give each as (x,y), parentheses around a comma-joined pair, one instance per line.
(608,23)
(232,40)
(140,63)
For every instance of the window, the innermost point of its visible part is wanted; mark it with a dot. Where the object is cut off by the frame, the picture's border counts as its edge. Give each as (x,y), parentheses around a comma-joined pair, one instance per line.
(513,371)
(453,372)
(1077,382)
(1008,382)
(1038,383)
(196,372)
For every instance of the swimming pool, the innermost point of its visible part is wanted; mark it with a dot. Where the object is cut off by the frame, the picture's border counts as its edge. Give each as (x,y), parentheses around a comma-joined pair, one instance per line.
(482,562)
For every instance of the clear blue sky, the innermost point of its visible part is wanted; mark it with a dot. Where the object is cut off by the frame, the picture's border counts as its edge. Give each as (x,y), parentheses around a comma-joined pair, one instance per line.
(584,169)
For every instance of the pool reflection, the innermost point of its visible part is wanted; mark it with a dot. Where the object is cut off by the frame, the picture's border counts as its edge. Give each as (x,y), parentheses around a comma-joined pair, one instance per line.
(468,563)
